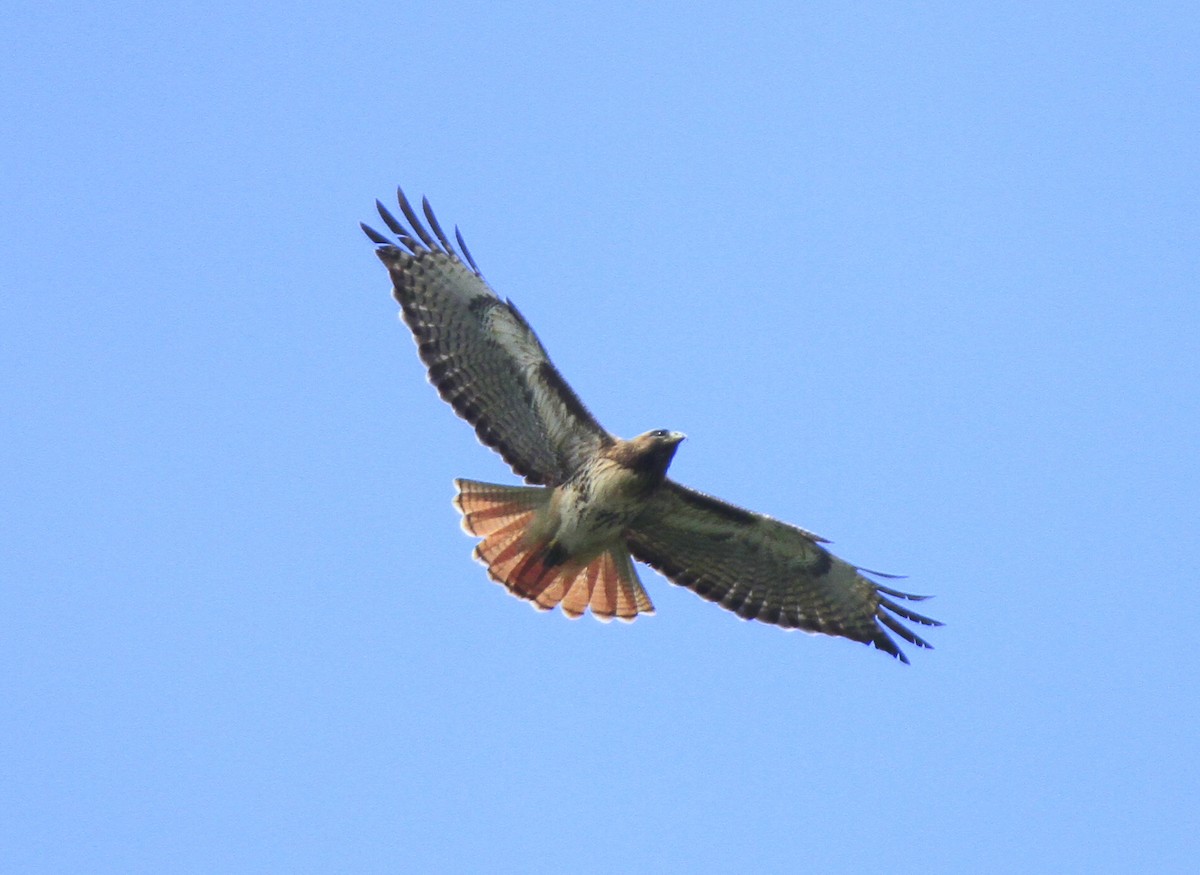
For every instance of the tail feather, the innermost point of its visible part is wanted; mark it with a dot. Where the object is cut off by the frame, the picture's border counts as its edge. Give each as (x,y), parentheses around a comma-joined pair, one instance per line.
(579,594)
(631,600)
(504,551)
(544,585)
(488,507)
(502,515)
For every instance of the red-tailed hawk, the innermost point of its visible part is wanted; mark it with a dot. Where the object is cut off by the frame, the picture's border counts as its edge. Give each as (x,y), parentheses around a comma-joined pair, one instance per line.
(596,502)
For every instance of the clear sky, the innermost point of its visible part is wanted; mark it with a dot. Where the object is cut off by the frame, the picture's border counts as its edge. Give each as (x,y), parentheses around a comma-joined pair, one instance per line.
(922,278)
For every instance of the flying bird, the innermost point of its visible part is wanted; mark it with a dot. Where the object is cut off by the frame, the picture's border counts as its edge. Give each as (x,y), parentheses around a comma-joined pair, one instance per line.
(596,502)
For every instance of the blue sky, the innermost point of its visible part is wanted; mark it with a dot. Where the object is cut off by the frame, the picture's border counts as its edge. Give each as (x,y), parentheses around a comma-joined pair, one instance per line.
(919,277)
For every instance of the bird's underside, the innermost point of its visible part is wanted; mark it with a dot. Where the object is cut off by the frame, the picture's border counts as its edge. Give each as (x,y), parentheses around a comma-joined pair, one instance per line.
(595,501)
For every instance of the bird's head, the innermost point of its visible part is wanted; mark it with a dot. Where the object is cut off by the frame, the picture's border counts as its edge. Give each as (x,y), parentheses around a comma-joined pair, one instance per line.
(651,453)
(662,437)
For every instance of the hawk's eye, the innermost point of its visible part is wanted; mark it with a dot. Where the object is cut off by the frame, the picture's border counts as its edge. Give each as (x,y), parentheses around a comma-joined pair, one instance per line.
(659,433)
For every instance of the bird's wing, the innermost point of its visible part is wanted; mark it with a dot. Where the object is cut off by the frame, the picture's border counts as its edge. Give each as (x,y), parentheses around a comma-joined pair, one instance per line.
(766,570)
(482,356)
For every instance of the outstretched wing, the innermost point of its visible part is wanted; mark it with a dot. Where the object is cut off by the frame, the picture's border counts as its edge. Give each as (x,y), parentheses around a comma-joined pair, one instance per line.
(766,570)
(482,356)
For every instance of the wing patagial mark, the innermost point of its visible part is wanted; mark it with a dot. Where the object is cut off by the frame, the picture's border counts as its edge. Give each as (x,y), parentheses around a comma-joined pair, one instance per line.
(731,512)
(552,378)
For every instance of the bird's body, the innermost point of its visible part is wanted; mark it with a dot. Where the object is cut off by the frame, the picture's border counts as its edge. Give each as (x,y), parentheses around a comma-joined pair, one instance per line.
(574,531)
(598,501)
(595,506)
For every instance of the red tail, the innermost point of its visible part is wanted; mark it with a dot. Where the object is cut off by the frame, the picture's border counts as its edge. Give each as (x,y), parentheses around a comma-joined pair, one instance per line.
(502,516)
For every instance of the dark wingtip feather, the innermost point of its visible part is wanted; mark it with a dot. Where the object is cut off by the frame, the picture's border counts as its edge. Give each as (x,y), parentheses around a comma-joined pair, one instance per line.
(466,252)
(885,620)
(904,632)
(413,237)
(884,643)
(883,574)
(907,613)
(901,595)
(374,235)
(437,229)
(414,221)
(396,226)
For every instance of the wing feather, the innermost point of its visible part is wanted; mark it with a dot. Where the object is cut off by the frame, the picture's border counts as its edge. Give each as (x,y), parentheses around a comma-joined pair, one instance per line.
(437,229)
(482,356)
(462,244)
(766,570)
(414,222)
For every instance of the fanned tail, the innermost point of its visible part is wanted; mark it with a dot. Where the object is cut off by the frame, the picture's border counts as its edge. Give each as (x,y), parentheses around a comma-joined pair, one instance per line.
(528,568)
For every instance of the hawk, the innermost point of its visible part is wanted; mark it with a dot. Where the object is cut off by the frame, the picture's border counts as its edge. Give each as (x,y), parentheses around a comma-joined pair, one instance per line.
(596,502)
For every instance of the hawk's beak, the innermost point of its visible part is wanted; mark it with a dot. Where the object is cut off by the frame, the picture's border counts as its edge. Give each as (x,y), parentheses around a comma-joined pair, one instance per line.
(677,437)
